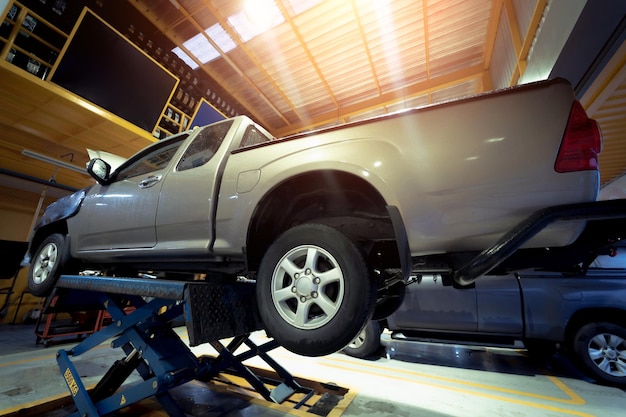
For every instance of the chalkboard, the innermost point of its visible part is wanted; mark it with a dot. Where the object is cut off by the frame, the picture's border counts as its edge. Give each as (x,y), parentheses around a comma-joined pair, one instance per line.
(206,114)
(102,66)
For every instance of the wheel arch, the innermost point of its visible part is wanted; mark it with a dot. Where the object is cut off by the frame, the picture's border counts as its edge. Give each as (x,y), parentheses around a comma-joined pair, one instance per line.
(335,198)
(54,218)
(45,231)
(591,315)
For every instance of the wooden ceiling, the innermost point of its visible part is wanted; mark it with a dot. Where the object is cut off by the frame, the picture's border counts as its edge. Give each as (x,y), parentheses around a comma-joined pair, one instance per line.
(329,62)
(38,116)
(605,101)
(325,62)
(321,63)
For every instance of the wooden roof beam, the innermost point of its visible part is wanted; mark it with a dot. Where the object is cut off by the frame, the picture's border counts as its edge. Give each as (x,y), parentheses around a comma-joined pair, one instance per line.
(173,37)
(425,87)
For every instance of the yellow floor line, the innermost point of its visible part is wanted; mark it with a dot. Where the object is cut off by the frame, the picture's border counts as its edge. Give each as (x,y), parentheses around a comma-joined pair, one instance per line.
(574,399)
(337,411)
(41,401)
(23,361)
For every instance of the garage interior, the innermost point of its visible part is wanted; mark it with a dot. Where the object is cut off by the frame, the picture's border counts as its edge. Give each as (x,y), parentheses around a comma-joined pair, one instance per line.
(292,66)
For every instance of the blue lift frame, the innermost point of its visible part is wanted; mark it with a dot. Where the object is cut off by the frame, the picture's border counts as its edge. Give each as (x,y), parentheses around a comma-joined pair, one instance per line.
(155,350)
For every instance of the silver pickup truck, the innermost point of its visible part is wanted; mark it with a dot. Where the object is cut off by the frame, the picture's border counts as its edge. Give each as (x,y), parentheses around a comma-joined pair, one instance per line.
(331,224)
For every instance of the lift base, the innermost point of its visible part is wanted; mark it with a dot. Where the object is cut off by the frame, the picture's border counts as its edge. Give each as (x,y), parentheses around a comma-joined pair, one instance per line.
(155,350)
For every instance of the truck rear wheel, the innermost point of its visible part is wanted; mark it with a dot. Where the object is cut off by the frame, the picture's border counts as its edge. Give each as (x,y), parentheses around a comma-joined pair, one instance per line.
(366,343)
(314,290)
(601,347)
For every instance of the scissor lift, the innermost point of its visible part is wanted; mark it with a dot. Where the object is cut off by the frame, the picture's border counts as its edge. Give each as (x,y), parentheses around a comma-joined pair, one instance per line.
(152,347)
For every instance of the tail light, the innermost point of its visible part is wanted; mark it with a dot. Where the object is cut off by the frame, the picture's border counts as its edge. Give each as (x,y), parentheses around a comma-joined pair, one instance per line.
(582,142)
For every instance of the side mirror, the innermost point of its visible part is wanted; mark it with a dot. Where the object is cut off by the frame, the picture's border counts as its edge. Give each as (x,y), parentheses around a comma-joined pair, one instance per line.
(100,170)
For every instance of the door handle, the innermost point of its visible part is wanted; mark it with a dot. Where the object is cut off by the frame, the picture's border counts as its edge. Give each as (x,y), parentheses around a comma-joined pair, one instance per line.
(150,181)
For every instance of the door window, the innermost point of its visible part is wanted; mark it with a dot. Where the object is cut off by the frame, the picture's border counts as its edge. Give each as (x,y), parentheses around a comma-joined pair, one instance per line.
(204,146)
(253,137)
(156,158)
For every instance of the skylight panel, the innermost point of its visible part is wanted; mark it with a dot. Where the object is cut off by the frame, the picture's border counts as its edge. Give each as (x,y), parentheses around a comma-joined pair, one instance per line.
(301,6)
(186,58)
(256,17)
(200,47)
(221,38)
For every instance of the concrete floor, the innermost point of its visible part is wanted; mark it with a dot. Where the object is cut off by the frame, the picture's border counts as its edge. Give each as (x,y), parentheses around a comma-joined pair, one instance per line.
(408,379)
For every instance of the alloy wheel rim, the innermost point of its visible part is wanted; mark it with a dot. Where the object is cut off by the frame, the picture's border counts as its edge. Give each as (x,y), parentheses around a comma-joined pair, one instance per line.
(358,341)
(45,263)
(608,353)
(307,287)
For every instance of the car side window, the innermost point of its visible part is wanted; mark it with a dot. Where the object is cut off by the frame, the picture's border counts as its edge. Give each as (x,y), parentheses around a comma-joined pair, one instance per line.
(253,137)
(204,146)
(157,158)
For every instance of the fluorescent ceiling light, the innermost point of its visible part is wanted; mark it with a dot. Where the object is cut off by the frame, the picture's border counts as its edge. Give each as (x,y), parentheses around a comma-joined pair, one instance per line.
(53,161)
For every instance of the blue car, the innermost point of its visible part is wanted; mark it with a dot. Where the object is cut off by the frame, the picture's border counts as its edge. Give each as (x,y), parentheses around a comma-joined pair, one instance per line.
(583,315)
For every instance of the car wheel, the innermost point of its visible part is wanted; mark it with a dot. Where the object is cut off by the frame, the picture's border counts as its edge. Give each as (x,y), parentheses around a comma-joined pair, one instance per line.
(366,343)
(47,264)
(602,349)
(314,290)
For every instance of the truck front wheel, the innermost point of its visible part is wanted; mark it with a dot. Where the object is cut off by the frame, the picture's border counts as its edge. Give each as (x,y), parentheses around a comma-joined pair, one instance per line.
(601,347)
(47,265)
(314,290)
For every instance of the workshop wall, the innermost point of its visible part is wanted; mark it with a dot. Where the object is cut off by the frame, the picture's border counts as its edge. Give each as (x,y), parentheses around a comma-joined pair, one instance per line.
(16,217)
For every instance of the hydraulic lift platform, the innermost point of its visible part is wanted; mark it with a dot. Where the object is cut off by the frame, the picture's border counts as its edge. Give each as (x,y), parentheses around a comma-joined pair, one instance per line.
(144,312)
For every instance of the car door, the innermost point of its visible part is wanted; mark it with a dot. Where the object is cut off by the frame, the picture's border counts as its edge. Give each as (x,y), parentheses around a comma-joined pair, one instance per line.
(429,305)
(499,300)
(121,215)
(190,192)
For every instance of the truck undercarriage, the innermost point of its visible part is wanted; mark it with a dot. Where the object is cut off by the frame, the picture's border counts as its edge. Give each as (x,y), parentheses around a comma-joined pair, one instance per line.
(603,235)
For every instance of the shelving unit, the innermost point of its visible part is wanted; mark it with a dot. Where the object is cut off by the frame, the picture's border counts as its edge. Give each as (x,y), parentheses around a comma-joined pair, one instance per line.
(29,41)
(176,117)
(32,43)
(172,121)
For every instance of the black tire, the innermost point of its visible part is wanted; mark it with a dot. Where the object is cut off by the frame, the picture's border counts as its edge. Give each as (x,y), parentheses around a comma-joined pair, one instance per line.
(601,347)
(314,290)
(47,265)
(366,343)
